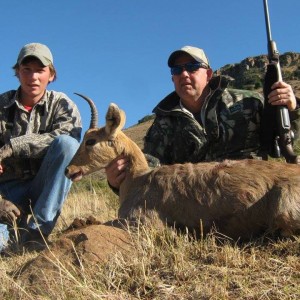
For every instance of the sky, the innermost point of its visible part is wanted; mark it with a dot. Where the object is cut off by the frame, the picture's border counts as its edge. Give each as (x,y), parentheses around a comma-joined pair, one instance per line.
(117,50)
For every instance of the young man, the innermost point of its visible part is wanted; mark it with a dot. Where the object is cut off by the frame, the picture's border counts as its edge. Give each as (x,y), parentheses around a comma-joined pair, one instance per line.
(203,120)
(40,132)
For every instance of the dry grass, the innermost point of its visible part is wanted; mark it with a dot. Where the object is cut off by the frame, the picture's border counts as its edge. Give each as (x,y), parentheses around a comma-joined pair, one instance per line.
(165,265)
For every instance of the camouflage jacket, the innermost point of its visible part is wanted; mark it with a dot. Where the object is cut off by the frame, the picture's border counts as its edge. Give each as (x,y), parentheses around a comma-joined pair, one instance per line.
(228,126)
(31,133)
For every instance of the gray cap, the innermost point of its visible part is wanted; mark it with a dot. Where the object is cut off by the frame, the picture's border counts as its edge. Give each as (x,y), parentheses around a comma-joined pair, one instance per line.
(196,53)
(40,51)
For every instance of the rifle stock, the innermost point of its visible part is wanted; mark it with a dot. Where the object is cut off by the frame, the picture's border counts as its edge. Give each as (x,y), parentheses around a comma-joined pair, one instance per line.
(277,136)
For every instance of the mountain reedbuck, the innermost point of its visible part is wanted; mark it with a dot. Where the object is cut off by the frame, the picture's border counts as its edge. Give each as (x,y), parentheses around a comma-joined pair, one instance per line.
(241,199)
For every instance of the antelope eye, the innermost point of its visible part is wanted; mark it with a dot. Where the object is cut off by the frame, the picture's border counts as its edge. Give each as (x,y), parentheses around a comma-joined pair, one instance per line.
(90,142)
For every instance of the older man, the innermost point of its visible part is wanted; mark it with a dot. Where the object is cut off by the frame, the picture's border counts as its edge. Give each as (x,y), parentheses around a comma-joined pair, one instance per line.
(203,119)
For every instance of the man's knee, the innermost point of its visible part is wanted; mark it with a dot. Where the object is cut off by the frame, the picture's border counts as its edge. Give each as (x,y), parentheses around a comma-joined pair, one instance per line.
(65,144)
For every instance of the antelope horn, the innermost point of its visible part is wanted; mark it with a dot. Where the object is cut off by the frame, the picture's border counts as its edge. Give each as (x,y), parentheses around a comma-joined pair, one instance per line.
(94,112)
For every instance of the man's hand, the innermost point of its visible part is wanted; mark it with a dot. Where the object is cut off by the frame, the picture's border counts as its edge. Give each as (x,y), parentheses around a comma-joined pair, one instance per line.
(282,94)
(115,171)
(8,210)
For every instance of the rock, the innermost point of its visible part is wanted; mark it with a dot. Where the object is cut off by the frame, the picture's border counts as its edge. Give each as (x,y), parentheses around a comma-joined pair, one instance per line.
(82,247)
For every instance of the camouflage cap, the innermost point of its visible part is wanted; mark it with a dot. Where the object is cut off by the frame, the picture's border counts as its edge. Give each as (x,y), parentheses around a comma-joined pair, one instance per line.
(196,53)
(40,51)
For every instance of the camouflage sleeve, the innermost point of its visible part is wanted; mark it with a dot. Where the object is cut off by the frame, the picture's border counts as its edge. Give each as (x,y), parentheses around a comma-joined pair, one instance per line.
(64,119)
(158,140)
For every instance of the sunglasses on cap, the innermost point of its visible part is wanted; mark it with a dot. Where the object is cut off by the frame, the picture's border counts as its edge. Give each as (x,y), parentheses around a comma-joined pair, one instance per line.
(189,67)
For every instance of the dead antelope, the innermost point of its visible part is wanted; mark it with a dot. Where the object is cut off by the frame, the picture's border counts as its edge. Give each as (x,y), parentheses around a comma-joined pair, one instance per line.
(242,199)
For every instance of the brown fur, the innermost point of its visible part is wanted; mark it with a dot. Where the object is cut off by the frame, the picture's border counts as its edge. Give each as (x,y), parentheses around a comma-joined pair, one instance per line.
(241,199)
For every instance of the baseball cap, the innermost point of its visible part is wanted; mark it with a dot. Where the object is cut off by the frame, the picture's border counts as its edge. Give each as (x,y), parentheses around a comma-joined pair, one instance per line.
(40,51)
(196,53)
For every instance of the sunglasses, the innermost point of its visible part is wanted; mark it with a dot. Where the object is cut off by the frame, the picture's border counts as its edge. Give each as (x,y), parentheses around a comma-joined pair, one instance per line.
(189,67)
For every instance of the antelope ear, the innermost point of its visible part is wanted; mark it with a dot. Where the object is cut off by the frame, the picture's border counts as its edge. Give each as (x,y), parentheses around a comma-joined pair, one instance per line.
(115,120)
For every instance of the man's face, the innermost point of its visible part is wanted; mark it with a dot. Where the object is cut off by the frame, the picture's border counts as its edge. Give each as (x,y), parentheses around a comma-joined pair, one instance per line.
(190,85)
(34,78)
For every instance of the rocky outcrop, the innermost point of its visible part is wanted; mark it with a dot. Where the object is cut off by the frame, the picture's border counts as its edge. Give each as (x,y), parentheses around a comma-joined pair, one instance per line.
(249,73)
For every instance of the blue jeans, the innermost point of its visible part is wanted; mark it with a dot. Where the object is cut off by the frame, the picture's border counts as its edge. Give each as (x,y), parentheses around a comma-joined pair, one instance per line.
(4,236)
(47,191)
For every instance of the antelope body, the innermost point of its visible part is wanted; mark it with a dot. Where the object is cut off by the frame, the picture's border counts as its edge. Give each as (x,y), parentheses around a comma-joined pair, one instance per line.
(242,199)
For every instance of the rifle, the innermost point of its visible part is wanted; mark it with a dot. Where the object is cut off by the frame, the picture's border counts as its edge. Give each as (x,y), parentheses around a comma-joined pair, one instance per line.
(276,134)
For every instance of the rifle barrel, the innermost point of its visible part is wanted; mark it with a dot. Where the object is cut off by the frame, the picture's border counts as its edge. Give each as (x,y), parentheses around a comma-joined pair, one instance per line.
(267,20)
